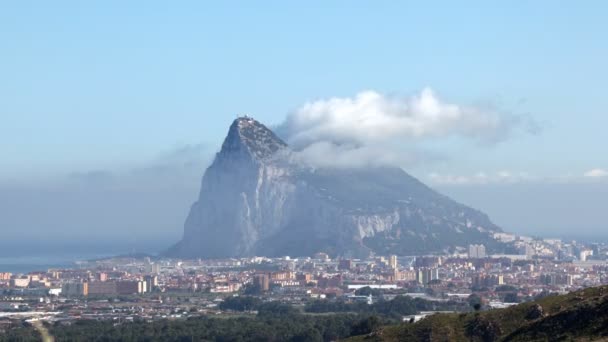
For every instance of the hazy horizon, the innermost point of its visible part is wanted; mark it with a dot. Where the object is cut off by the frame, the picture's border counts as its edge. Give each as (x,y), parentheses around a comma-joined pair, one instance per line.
(112,113)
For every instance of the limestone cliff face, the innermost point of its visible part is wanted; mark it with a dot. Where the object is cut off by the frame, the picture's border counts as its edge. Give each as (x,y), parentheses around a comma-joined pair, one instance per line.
(255,200)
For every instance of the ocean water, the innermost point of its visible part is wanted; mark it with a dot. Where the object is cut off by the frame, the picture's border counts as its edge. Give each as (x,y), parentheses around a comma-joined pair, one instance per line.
(24,256)
(27,256)
(24,267)
(44,261)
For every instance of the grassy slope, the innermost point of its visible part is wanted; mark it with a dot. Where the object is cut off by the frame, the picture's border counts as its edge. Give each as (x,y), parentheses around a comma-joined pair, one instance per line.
(581,315)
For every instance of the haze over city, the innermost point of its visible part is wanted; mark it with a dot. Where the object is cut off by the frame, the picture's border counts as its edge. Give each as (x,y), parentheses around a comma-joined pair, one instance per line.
(111,113)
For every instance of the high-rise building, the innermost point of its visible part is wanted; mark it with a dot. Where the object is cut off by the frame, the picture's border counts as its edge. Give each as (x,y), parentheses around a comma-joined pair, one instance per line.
(129,287)
(335,281)
(262,281)
(406,276)
(556,279)
(102,288)
(20,282)
(75,289)
(304,278)
(528,250)
(151,282)
(485,280)
(425,275)
(477,251)
(584,254)
(116,287)
(282,275)
(428,261)
(392,262)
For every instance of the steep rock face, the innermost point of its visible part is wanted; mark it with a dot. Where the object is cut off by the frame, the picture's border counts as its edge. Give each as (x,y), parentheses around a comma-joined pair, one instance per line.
(256,200)
(245,195)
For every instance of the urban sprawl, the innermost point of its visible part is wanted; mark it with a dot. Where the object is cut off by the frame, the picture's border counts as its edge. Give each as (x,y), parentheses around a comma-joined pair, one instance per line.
(124,289)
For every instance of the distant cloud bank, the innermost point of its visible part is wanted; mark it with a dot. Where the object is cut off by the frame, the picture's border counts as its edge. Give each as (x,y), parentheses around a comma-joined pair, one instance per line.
(480,178)
(509,177)
(596,173)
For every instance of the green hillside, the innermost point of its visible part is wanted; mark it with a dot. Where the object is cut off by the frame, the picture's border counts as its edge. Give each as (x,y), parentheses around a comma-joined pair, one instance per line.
(577,316)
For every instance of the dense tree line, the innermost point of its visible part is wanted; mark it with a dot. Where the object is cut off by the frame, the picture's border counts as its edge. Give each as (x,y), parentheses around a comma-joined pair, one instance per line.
(291,327)
(323,320)
(250,303)
(395,308)
(241,303)
(366,291)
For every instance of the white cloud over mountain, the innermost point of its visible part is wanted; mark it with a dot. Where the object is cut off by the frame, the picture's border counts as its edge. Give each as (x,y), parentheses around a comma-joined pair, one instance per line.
(373,128)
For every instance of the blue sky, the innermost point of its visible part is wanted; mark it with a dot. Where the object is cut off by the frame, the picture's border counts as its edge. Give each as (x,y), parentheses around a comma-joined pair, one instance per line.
(109,86)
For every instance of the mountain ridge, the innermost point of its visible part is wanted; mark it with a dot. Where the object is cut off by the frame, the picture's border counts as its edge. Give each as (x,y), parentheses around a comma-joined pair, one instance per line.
(256,198)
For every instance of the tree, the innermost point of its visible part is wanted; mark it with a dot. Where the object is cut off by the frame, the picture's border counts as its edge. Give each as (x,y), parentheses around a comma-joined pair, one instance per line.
(366,325)
(276,309)
(308,335)
(474,300)
(366,291)
(511,297)
(252,289)
(544,294)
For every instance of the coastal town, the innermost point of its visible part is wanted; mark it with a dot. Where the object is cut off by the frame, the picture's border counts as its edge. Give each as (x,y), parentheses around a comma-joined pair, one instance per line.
(129,288)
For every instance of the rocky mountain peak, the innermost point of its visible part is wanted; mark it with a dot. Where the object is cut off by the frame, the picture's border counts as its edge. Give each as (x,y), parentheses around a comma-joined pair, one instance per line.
(252,137)
(255,201)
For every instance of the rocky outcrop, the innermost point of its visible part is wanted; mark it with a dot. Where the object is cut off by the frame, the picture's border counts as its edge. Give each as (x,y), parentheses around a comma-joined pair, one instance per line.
(256,199)
(536,311)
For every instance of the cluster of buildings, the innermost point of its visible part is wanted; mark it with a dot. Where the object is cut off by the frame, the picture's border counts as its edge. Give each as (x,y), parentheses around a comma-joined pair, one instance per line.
(124,288)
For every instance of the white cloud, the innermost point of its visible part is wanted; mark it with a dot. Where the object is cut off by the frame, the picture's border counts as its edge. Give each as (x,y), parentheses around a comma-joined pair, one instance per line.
(596,173)
(371,116)
(371,121)
(508,177)
(480,178)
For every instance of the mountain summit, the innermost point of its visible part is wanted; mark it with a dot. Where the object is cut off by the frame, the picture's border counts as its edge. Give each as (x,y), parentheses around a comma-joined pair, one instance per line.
(247,135)
(256,199)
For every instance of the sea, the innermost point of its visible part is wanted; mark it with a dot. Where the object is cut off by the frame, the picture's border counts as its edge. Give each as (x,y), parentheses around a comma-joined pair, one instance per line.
(25,256)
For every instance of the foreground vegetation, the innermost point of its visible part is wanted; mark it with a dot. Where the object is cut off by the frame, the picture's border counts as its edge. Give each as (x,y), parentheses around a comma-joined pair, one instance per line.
(393,309)
(581,315)
(292,327)
(265,321)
